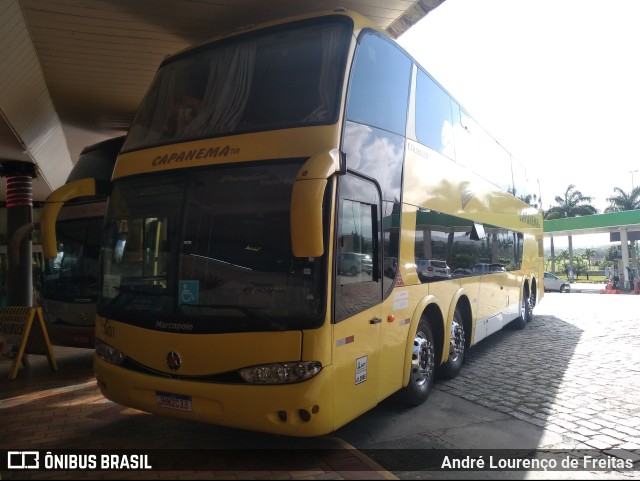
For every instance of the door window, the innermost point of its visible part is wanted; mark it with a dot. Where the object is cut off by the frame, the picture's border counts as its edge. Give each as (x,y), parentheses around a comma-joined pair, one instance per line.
(357,283)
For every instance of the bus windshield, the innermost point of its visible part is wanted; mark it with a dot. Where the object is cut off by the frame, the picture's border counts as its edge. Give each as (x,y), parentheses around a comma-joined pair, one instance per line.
(211,247)
(73,275)
(277,78)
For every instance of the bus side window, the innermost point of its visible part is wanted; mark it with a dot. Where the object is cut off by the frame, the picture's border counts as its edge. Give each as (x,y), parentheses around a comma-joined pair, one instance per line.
(434,121)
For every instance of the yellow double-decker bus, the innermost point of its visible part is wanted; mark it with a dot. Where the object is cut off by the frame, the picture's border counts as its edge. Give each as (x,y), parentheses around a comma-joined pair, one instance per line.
(296,231)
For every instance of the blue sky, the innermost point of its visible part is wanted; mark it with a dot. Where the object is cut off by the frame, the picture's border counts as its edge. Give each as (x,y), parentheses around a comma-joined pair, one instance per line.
(557,83)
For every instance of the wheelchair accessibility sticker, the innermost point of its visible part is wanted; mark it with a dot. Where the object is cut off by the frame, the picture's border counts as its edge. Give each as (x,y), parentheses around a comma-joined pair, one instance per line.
(189,292)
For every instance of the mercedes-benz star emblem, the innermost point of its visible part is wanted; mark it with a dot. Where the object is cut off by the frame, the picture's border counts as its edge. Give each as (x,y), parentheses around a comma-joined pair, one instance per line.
(174,361)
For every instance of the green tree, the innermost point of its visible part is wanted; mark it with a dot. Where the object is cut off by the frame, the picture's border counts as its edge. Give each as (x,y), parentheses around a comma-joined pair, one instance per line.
(580,267)
(588,254)
(612,254)
(622,200)
(531,199)
(573,204)
(563,260)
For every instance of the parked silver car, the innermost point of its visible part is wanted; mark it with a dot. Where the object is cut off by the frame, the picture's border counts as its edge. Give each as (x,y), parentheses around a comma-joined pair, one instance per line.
(485,268)
(554,283)
(354,263)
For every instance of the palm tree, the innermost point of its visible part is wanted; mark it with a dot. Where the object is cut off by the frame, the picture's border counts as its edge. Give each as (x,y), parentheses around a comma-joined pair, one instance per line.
(589,253)
(622,201)
(573,204)
(563,259)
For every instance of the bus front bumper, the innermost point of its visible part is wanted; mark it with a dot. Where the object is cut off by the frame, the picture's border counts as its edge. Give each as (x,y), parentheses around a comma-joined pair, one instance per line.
(300,409)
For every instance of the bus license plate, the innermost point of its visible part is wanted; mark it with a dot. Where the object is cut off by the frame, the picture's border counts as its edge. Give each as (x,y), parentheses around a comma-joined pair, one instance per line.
(170,400)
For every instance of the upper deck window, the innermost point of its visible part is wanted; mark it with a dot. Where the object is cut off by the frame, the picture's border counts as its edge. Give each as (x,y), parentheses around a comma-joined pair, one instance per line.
(282,77)
(379,90)
(434,124)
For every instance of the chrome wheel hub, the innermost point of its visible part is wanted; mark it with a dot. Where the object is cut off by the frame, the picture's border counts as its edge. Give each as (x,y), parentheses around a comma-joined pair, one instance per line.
(456,347)
(422,360)
(523,307)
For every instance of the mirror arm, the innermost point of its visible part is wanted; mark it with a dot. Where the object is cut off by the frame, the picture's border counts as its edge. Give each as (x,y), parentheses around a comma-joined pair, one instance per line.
(51,209)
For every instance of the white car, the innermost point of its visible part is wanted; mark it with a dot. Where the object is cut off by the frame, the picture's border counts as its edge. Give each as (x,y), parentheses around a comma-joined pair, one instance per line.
(554,283)
(432,270)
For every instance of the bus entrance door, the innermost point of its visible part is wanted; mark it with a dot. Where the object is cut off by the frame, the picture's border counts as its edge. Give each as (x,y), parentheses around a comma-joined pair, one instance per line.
(358,297)
(356,364)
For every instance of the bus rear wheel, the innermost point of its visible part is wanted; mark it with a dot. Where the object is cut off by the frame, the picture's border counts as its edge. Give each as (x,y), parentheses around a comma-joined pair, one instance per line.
(525,312)
(422,366)
(457,349)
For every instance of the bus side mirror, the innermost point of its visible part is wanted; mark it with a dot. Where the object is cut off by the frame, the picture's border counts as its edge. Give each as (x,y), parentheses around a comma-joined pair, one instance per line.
(51,209)
(306,218)
(307,202)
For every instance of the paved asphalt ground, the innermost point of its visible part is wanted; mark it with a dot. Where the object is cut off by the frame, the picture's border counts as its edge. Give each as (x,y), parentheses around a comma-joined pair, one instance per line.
(566,386)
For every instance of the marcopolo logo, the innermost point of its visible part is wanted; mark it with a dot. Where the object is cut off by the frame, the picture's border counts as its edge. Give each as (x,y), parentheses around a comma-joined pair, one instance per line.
(23,460)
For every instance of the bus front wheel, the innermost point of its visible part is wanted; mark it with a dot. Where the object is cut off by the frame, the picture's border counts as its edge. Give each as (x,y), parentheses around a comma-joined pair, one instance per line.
(422,366)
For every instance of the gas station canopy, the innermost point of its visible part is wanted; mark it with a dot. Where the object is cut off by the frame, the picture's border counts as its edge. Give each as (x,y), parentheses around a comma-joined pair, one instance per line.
(595,224)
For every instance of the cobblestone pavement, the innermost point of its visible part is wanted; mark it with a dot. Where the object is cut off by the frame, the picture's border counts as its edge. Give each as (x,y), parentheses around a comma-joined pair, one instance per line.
(574,370)
(569,381)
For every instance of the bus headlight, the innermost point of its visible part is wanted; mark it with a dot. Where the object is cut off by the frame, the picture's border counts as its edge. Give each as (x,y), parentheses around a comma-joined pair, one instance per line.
(280,372)
(109,353)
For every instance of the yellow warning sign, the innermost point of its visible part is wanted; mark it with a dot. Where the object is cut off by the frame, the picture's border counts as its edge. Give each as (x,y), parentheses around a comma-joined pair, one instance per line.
(23,331)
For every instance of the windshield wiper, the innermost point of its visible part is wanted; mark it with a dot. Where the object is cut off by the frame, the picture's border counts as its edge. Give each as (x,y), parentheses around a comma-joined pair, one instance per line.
(252,312)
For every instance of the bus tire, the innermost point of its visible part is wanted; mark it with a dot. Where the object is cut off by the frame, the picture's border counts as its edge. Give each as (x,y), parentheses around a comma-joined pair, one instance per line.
(422,372)
(457,349)
(525,313)
(532,304)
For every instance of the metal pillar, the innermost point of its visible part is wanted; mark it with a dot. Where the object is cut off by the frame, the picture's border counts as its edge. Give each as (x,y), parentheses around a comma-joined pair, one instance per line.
(19,226)
(553,257)
(624,245)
